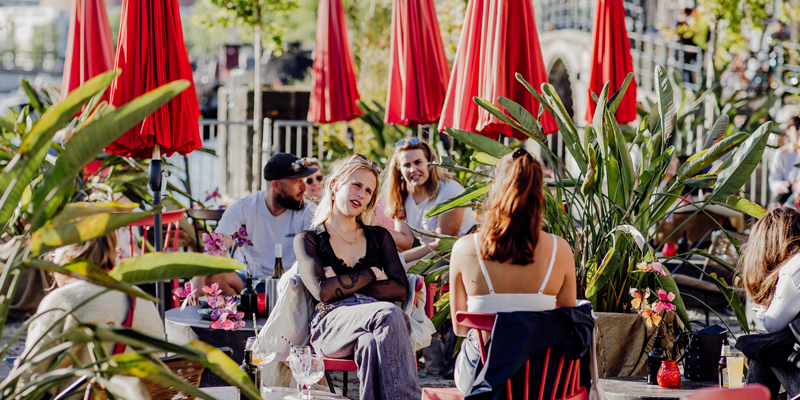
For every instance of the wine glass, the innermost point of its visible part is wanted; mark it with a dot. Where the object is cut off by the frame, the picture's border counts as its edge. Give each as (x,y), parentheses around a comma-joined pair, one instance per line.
(263,353)
(316,370)
(299,360)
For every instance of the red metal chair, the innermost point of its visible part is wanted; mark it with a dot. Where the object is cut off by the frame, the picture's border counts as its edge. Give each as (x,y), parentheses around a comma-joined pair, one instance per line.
(753,391)
(170,218)
(571,375)
(431,290)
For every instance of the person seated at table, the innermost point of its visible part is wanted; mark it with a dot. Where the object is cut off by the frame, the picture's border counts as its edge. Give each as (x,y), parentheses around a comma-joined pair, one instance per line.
(509,265)
(272,216)
(314,182)
(353,271)
(770,265)
(411,188)
(783,173)
(110,308)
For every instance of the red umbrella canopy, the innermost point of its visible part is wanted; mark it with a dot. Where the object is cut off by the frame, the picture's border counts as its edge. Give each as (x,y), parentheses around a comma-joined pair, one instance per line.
(334,96)
(498,39)
(611,59)
(151,53)
(418,66)
(90,47)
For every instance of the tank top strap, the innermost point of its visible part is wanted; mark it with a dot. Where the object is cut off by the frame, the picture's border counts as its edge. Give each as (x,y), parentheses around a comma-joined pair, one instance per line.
(550,267)
(483,264)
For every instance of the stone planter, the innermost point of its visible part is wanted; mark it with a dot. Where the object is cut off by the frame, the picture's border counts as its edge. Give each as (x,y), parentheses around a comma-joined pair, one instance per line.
(623,342)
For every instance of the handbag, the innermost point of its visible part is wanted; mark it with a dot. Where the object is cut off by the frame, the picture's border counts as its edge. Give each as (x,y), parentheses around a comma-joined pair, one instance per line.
(701,351)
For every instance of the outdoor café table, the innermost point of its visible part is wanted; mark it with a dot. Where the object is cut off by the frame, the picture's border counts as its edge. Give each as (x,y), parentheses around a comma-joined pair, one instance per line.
(278,393)
(636,387)
(185,326)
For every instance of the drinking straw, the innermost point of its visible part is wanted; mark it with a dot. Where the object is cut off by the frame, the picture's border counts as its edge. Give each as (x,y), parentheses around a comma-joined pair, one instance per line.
(255,325)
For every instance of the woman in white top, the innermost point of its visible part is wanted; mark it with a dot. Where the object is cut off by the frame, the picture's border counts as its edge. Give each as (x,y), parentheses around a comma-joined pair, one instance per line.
(509,265)
(411,188)
(770,265)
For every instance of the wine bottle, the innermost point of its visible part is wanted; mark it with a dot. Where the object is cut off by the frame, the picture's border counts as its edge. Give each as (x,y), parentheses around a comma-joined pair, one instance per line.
(249,300)
(252,370)
(277,271)
(722,366)
(683,244)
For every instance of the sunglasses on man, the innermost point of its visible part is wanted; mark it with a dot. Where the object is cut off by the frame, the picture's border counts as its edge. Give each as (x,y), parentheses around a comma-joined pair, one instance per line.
(311,180)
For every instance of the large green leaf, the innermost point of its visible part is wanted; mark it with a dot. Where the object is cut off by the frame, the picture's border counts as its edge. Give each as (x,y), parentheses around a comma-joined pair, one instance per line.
(480,143)
(616,99)
(448,163)
(569,134)
(137,365)
(87,271)
(55,235)
(82,209)
(157,267)
(743,206)
(703,159)
(523,117)
(666,103)
(469,194)
(33,97)
(485,159)
(742,163)
(717,131)
(497,112)
(610,264)
(14,180)
(542,102)
(624,156)
(84,145)
(598,122)
(705,181)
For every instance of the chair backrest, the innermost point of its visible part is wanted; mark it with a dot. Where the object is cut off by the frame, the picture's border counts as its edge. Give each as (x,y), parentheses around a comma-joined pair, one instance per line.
(202,215)
(571,374)
(188,370)
(753,391)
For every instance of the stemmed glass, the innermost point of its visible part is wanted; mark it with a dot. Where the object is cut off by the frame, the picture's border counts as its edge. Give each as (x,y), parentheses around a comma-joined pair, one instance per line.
(316,370)
(263,353)
(300,362)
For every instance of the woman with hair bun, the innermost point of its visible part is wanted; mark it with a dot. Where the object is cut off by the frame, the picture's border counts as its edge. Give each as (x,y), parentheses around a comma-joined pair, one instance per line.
(509,265)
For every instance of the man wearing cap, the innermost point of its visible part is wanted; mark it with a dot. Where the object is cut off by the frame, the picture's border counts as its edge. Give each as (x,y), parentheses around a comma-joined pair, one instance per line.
(272,216)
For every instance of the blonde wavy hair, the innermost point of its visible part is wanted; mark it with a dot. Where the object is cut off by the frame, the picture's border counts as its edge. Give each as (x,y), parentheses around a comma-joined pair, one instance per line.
(395,187)
(336,179)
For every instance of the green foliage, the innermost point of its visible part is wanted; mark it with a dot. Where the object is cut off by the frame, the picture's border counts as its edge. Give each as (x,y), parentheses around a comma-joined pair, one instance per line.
(40,211)
(608,218)
(268,14)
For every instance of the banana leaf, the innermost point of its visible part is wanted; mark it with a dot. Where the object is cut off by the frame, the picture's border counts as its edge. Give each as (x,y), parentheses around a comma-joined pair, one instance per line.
(471,193)
(157,267)
(742,163)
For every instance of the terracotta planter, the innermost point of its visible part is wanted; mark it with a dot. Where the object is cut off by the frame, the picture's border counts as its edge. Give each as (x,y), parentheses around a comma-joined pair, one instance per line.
(623,342)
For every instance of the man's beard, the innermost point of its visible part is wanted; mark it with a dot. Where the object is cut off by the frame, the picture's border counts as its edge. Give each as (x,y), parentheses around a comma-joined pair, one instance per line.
(287,202)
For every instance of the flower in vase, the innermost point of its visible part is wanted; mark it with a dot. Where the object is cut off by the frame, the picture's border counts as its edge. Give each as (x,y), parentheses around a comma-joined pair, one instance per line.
(664,303)
(184,293)
(213,290)
(656,267)
(659,268)
(225,316)
(214,244)
(651,317)
(639,300)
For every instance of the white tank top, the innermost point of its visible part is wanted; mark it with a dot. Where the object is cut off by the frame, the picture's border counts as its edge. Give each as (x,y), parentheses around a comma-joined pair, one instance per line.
(510,302)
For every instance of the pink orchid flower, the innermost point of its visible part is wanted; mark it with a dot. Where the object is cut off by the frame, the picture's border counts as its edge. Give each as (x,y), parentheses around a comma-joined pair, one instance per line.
(664,296)
(214,244)
(213,290)
(663,306)
(659,268)
(185,293)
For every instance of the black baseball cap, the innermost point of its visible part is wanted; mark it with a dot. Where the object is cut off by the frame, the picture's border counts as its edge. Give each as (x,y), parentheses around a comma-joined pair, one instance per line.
(287,166)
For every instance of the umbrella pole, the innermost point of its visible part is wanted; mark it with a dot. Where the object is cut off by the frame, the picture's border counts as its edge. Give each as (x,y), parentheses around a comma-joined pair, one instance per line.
(154,180)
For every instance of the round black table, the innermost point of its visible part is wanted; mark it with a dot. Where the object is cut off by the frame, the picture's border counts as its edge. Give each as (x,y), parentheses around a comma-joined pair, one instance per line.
(636,387)
(183,327)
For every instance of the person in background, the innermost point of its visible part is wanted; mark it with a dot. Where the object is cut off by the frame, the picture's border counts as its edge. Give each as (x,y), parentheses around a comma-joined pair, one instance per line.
(411,188)
(314,182)
(511,264)
(109,308)
(272,216)
(353,271)
(770,265)
(782,171)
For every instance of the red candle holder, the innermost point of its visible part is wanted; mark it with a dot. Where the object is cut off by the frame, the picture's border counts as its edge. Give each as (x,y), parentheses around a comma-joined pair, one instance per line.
(262,304)
(668,374)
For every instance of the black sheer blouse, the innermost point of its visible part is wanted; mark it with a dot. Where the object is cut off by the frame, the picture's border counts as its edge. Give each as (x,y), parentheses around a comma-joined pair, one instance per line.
(314,252)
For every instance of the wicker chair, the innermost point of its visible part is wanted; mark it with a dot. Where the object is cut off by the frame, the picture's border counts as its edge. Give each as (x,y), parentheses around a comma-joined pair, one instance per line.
(188,370)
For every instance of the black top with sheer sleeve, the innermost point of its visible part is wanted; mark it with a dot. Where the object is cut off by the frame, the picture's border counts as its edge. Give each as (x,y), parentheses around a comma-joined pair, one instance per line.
(314,252)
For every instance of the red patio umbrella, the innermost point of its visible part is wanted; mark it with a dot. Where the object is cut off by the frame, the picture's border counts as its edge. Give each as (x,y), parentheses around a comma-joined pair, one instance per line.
(151,53)
(90,47)
(498,39)
(334,95)
(611,59)
(418,72)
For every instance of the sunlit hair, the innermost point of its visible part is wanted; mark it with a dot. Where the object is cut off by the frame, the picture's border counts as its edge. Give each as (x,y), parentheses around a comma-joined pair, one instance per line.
(774,239)
(313,162)
(101,251)
(395,187)
(339,176)
(516,197)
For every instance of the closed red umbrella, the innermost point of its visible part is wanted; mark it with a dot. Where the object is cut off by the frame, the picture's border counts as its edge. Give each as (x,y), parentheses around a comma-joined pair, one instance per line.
(498,39)
(334,95)
(151,53)
(418,72)
(90,47)
(611,59)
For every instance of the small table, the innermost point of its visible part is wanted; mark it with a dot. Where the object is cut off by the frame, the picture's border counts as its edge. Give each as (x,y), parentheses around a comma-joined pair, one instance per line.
(183,327)
(278,393)
(636,387)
